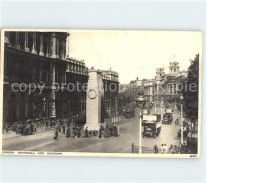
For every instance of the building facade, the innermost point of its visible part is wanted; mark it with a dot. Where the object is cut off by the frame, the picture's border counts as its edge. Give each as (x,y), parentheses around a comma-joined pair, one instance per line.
(164,87)
(37,74)
(111,89)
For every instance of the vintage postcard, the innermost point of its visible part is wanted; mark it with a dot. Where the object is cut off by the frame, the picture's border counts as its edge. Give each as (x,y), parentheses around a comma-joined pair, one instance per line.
(110,93)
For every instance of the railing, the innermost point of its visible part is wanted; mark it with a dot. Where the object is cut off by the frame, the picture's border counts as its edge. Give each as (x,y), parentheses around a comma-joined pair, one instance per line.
(144,150)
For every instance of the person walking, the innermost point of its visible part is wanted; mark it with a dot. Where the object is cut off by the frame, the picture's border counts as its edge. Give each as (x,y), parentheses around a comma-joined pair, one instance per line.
(63,129)
(86,132)
(155,149)
(165,149)
(56,134)
(161,149)
(68,133)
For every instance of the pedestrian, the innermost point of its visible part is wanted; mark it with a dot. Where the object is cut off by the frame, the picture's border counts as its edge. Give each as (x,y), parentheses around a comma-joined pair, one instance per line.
(73,132)
(161,149)
(100,133)
(170,149)
(63,129)
(78,131)
(165,149)
(86,132)
(56,134)
(155,149)
(68,133)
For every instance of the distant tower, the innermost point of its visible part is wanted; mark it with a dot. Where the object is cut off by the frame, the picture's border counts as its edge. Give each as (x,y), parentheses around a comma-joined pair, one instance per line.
(159,73)
(174,68)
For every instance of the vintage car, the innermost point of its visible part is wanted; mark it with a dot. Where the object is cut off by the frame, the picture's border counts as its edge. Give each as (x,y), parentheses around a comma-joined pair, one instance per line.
(151,129)
(167,118)
(130,113)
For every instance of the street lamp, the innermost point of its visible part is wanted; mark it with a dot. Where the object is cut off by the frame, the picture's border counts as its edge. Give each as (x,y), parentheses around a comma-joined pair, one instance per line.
(181,103)
(157,93)
(116,111)
(44,106)
(161,104)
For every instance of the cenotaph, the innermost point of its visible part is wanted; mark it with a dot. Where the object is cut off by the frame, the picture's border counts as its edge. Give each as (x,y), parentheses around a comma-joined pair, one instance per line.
(94,93)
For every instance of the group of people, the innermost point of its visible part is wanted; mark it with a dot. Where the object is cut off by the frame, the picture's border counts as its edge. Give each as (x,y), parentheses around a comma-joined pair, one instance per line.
(187,148)
(24,127)
(163,149)
(78,131)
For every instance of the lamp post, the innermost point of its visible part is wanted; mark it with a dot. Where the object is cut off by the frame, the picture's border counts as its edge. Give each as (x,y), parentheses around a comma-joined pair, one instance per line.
(181,103)
(44,106)
(44,110)
(157,93)
(116,111)
(161,104)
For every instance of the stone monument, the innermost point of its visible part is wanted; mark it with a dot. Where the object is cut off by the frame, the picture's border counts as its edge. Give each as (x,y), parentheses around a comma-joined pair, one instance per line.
(94,93)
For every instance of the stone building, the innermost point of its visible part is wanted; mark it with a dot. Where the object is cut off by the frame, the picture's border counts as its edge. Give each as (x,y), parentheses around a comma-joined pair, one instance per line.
(35,66)
(163,88)
(111,89)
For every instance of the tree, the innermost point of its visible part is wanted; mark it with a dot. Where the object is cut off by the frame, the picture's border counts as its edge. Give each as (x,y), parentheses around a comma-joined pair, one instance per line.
(190,105)
(130,95)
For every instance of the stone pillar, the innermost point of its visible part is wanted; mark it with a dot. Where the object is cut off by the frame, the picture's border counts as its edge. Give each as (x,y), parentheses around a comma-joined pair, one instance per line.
(64,49)
(48,47)
(93,103)
(26,48)
(7,38)
(17,111)
(52,101)
(34,43)
(17,44)
(57,48)
(52,105)
(53,45)
(41,46)
(26,109)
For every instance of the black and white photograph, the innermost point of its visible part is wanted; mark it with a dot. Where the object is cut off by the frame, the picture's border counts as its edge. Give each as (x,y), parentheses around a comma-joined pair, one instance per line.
(115,93)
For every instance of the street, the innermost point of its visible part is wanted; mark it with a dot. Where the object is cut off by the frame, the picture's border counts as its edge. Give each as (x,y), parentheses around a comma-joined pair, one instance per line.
(43,141)
(167,136)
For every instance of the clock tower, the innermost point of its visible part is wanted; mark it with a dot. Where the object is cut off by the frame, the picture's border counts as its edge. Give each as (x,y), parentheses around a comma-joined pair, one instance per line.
(94,93)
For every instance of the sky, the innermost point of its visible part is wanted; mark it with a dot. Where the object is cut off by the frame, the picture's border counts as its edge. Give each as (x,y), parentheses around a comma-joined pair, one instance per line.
(134,53)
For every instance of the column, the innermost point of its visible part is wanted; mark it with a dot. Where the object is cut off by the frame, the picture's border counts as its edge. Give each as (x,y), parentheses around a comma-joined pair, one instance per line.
(26,48)
(41,46)
(58,48)
(48,47)
(53,45)
(17,45)
(6,67)
(7,38)
(34,43)
(52,101)
(17,111)
(52,105)
(26,109)
(64,49)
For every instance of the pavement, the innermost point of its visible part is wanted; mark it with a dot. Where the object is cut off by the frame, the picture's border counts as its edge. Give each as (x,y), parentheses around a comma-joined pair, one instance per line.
(43,141)
(129,132)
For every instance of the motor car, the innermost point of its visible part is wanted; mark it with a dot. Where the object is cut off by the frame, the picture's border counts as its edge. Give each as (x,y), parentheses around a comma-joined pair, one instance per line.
(151,129)
(167,118)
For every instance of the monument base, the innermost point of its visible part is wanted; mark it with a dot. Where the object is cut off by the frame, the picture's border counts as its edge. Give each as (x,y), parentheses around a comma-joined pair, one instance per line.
(92,127)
